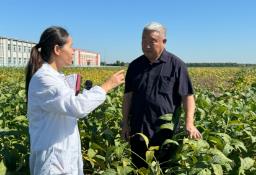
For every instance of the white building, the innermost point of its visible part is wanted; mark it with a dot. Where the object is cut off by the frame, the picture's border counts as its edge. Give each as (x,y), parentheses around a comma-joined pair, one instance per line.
(14,52)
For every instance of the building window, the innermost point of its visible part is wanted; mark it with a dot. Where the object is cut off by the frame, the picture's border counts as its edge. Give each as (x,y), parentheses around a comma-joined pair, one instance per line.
(9,47)
(24,60)
(19,48)
(19,60)
(14,60)
(9,60)
(14,48)
(1,61)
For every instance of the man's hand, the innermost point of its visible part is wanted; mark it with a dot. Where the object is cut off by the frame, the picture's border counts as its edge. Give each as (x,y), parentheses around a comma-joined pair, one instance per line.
(189,107)
(192,132)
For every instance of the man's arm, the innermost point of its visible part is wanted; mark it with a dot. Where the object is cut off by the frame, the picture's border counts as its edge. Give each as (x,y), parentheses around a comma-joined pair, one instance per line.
(189,107)
(126,110)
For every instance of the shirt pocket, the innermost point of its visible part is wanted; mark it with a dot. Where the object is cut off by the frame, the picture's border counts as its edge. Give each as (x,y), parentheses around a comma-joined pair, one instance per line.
(138,83)
(166,84)
(60,162)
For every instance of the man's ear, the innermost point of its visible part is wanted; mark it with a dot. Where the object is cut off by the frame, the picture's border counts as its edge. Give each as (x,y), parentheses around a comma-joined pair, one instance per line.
(57,50)
(164,41)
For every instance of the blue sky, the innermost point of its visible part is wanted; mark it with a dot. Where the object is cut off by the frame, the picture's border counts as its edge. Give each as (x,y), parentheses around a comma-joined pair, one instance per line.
(197,30)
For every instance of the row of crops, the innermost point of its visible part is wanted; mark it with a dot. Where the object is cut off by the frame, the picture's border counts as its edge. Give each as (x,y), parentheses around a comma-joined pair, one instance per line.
(225,114)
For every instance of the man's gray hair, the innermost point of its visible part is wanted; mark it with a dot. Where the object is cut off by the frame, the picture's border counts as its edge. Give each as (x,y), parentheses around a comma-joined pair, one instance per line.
(155,26)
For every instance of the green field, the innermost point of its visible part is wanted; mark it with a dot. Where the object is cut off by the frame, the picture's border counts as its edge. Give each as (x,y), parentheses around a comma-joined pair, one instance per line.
(225,114)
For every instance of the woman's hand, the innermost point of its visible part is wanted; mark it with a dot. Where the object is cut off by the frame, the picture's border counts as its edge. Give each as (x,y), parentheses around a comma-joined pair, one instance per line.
(115,80)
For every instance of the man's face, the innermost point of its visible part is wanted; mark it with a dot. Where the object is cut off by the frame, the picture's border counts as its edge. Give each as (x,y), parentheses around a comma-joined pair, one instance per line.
(153,44)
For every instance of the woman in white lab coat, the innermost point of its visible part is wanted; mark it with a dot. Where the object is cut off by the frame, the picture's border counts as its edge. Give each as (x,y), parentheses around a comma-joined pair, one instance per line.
(53,107)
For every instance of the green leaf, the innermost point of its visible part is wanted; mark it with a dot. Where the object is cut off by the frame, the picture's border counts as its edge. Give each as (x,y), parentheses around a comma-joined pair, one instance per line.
(196,145)
(166,117)
(194,170)
(201,113)
(205,171)
(227,149)
(202,144)
(219,157)
(108,134)
(108,100)
(217,169)
(20,118)
(124,170)
(126,161)
(225,137)
(169,141)
(237,144)
(216,140)
(100,157)
(21,93)
(228,166)
(253,138)
(119,151)
(169,126)
(153,148)
(235,123)
(91,153)
(149,156)
(143,171)
(2,168)
(96,146)
(110,171)
(221,109)
(144,137)
(246,164)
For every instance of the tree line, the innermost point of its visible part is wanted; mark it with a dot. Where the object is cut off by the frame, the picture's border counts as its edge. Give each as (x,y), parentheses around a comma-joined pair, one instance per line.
(121,63)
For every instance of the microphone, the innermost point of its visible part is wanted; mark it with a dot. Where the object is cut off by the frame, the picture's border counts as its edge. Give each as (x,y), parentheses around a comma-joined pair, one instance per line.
(88,84)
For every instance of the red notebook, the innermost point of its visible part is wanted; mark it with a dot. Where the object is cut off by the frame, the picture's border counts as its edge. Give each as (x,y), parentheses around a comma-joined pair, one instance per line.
(74,82)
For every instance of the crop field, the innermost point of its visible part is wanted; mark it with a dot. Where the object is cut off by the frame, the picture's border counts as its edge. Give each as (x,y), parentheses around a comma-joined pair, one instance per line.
(225,115)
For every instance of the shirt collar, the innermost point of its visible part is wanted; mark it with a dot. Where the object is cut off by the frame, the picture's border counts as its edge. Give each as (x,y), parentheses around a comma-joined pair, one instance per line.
(49,68)
(163,57)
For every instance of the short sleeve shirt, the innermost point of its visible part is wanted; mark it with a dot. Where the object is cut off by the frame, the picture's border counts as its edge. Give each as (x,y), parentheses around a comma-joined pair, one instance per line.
(157,90)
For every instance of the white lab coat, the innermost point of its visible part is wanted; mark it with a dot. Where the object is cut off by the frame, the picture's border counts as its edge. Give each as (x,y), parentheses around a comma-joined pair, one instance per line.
(53,111)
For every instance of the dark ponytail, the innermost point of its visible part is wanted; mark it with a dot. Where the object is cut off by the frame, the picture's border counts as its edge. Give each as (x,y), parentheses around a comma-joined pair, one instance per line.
(42,52)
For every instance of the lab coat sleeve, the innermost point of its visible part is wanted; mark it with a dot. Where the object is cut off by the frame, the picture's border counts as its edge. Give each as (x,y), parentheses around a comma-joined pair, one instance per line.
(61,99)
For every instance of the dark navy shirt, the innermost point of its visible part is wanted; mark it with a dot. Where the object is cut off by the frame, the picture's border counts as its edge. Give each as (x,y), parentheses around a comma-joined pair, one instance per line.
(157,90)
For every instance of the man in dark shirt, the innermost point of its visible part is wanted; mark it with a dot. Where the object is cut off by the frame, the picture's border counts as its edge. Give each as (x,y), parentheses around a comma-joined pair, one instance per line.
(156,83)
